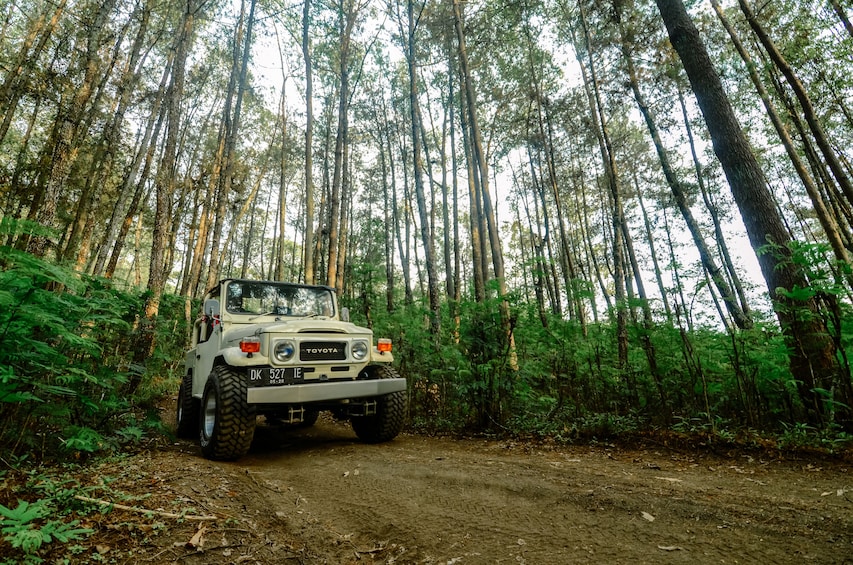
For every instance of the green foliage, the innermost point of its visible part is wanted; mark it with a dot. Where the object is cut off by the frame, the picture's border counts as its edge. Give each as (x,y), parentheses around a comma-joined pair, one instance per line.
(66,340)
(801,435)
(29,526)
(64,349)
(561,379)
(35,529)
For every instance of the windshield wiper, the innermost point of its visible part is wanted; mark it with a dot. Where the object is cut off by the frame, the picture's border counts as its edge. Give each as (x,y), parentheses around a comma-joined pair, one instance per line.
(253,318)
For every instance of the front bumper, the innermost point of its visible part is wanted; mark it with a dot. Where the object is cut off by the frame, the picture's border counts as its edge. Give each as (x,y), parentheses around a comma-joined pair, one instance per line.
(319,392)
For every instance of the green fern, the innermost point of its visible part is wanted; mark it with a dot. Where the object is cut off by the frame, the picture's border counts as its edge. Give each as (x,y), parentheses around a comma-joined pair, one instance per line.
(24,527)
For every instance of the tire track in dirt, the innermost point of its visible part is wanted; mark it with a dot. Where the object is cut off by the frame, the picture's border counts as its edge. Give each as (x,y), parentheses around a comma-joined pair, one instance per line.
(424,500)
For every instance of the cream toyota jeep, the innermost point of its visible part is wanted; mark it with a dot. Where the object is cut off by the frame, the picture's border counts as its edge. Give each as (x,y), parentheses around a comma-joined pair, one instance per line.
(284,351)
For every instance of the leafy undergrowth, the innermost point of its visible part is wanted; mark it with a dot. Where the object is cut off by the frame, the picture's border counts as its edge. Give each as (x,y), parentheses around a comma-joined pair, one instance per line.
(804,445)
(51,513)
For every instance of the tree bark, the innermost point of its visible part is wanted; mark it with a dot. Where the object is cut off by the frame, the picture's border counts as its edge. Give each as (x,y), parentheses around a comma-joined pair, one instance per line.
(165,186)
(830,227)
(65,144)
(418,165)
(231,131)
(16,78)
(609,163)
(809,112)
(741,319)
(308,243)
(812,357)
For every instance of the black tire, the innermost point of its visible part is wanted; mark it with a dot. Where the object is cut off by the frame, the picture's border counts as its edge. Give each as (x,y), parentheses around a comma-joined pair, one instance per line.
(390,411)
(226,419)
(186,415)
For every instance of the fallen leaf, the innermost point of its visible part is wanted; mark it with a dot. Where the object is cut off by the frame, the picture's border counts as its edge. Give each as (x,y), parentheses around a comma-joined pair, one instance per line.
(649,517)
(197,540)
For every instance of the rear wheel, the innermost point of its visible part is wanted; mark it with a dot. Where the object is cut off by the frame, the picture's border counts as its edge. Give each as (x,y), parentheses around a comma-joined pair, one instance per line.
(186,417)
(227,419)
(390,414)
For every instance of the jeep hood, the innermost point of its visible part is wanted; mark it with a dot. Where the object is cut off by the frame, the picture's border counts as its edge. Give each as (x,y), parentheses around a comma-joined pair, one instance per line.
(295,326)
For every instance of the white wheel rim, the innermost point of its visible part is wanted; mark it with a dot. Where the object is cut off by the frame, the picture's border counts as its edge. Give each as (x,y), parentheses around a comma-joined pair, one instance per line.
(209,414)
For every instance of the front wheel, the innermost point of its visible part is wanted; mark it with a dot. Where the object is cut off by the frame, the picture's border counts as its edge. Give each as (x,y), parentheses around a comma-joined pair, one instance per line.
(227,422)
(390,414)
(186,417)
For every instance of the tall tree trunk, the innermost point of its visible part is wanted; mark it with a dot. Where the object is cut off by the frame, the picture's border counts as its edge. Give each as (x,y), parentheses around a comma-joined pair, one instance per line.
(278,259)
(347,12)
(475,210)
(165,186)
(482,173)
(456,297)
(592,257)
(16,78)
(343,231)
(308,243)
(544,243)
(740,317)
(537,241)
(420,195)
(142,158)
(608,158)
(146,153)
(102,165)
(809,112)
(733,276)
(826,220)
(380,119)
(567,259)
(653,250)
(249,203)
(231,132)
(69,120)
(813,361)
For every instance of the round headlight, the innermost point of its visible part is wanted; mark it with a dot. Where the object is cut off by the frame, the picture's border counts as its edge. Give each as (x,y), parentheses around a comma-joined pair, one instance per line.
(284,351)
(359,350)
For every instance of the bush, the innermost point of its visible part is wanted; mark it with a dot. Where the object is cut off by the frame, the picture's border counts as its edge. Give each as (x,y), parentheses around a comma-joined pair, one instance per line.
(64,370)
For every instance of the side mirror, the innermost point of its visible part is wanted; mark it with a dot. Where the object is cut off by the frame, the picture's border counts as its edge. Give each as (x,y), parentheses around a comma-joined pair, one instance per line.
(211,307)
(345,314)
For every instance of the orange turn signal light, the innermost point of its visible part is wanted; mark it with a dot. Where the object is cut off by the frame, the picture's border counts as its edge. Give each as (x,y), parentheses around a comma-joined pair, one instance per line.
(250,345)
(383,345)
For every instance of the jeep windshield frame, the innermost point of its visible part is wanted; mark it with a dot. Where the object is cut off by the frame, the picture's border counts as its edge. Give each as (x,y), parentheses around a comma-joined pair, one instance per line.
(271,298)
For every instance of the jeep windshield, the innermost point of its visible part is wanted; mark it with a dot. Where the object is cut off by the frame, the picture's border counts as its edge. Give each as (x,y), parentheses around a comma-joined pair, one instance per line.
(254,298)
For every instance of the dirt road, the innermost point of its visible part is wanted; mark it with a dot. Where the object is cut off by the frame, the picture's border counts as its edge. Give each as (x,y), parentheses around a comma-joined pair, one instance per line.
(319,496)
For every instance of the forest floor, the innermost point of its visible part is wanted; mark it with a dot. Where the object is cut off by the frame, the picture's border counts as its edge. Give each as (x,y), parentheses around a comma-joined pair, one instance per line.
(319,496)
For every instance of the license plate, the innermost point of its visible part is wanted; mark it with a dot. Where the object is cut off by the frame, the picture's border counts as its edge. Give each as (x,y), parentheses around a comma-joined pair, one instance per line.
(273,376)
